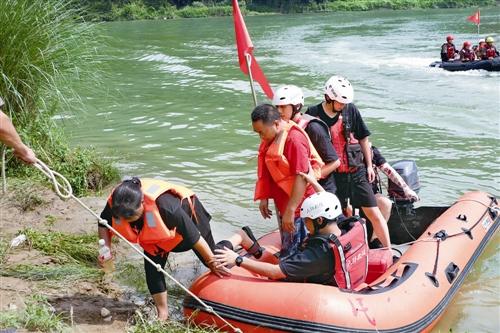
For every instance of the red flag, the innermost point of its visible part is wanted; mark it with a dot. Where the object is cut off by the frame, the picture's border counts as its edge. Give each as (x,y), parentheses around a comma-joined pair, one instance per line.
(245,47)
(475,18)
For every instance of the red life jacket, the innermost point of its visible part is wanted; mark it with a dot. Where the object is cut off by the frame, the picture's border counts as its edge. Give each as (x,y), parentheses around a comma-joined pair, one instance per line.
(450,51)
(468,54)
(351,256)
(303,121)
(154,237)
(271,157)
(491,51)
(339,141)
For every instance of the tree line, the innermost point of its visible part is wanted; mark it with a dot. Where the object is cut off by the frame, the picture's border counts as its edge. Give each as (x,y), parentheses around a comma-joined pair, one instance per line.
(154,9)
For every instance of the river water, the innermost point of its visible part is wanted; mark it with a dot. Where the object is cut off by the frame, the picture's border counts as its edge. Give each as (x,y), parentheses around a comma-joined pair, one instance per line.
(173,104)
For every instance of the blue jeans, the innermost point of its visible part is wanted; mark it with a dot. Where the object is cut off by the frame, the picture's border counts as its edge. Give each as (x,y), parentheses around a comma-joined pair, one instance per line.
(290,241)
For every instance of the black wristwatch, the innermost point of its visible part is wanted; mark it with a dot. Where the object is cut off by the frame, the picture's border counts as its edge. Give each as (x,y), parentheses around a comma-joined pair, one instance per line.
(238,260)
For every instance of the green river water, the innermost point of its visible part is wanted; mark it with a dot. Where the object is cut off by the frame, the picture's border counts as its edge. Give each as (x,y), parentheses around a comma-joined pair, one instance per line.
(174,104)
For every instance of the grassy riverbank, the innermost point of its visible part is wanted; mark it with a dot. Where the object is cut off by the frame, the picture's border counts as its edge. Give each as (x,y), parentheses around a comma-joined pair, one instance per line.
(149,9)
(43,51)
(51,281)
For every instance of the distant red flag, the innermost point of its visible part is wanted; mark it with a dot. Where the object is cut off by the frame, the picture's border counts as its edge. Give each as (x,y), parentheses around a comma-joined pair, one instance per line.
(245,46)
(475,18)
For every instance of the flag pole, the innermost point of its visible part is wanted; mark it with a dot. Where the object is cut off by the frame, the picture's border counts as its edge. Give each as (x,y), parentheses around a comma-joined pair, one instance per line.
(479,23)
(248,60)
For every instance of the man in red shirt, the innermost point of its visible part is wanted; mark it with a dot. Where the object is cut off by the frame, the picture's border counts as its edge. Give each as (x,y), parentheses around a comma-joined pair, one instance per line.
(283,153)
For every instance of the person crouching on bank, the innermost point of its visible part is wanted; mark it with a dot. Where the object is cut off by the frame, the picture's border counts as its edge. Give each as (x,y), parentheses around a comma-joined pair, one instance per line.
(162,218)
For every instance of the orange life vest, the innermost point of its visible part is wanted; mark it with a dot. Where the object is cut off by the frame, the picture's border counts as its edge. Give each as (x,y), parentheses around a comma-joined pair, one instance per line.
(271,156)
(154,237)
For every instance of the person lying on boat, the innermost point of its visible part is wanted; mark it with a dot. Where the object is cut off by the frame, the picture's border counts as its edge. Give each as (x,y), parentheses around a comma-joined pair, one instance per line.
(324,258)
(490,51)
(466,53)
(163,218)
(448,50)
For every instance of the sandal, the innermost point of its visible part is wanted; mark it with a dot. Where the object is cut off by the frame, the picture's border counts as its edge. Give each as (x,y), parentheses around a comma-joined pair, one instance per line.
(256,250)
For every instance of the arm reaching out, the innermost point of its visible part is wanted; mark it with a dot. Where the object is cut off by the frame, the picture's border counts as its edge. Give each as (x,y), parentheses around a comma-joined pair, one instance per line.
(394,176)
(311,179)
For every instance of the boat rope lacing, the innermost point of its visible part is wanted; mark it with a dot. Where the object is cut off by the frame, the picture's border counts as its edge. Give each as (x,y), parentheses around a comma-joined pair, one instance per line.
(65,191)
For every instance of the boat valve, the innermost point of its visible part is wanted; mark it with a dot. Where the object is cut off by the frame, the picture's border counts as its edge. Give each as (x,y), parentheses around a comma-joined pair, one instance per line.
(442,235)
(462,217)
(493,213)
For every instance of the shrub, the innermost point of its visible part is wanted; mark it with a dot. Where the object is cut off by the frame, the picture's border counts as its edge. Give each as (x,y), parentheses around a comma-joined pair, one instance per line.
(45,45)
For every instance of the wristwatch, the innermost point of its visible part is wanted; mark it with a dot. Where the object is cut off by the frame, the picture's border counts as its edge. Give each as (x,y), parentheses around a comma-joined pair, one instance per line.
(238,260)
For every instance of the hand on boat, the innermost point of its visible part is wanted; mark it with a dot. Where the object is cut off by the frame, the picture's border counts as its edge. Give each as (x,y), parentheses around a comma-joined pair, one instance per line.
(264,209)
(225,257)
(217,269)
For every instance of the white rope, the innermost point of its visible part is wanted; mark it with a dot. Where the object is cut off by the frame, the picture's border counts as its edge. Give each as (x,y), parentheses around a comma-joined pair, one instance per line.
(69,194)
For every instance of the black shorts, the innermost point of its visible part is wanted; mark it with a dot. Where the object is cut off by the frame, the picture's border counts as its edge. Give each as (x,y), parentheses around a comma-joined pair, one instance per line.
(356,187)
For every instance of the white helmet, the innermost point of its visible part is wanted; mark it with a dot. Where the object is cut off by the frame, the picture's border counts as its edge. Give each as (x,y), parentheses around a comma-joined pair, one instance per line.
(324,204)
(289,94)
(339,89)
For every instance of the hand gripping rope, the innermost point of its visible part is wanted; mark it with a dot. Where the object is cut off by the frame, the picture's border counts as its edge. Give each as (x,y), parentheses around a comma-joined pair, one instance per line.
(67,193)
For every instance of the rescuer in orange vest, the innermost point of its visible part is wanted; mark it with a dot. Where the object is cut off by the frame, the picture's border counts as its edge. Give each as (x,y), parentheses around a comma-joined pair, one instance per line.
(161,217)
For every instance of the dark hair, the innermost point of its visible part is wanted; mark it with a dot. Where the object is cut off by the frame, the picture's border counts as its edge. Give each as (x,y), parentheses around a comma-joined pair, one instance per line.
(127,198)
(317,225)
(265,112)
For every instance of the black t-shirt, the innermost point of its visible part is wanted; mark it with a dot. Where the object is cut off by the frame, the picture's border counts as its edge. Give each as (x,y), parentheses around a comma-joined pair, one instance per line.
(178,216)
(377,160)
(314,264)
(320,139)
(358,126)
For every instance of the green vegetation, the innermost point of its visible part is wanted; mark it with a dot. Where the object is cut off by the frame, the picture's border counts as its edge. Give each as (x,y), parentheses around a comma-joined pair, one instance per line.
(66,273)
(144,325)
(37,316)
(43,49)
(80,249)
(110,10)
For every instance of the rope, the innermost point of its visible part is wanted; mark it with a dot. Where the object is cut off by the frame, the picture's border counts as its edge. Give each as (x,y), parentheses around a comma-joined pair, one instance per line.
(66,187)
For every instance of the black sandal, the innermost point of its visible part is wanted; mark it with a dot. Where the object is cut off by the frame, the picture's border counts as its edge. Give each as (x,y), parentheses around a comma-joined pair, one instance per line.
(256,250)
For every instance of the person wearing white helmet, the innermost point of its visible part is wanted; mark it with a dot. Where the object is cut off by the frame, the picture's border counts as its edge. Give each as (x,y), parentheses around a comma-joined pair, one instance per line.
(316,261)
(289,100)
(10,137)
(349,135)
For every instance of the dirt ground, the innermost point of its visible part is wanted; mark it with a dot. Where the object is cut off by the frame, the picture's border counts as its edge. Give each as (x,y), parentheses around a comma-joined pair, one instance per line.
(81,298)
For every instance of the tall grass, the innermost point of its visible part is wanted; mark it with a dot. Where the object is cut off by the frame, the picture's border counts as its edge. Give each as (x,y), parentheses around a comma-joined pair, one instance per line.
(79,249)
(45,46)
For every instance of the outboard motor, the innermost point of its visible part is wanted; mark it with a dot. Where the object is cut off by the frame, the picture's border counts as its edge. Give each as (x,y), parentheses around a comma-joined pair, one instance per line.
(407,169)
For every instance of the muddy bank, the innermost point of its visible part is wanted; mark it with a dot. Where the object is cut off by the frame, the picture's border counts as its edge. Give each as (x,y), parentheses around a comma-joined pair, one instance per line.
(77,291)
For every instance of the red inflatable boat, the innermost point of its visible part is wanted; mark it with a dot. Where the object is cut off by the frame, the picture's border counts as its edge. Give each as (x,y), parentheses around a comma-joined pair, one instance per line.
(409,297)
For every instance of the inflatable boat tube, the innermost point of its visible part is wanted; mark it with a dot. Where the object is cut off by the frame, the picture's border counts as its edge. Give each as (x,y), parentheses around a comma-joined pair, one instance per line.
(409,297)
(454,66)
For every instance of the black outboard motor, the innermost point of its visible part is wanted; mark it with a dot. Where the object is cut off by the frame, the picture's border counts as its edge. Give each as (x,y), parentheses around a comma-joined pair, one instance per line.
(407,169)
